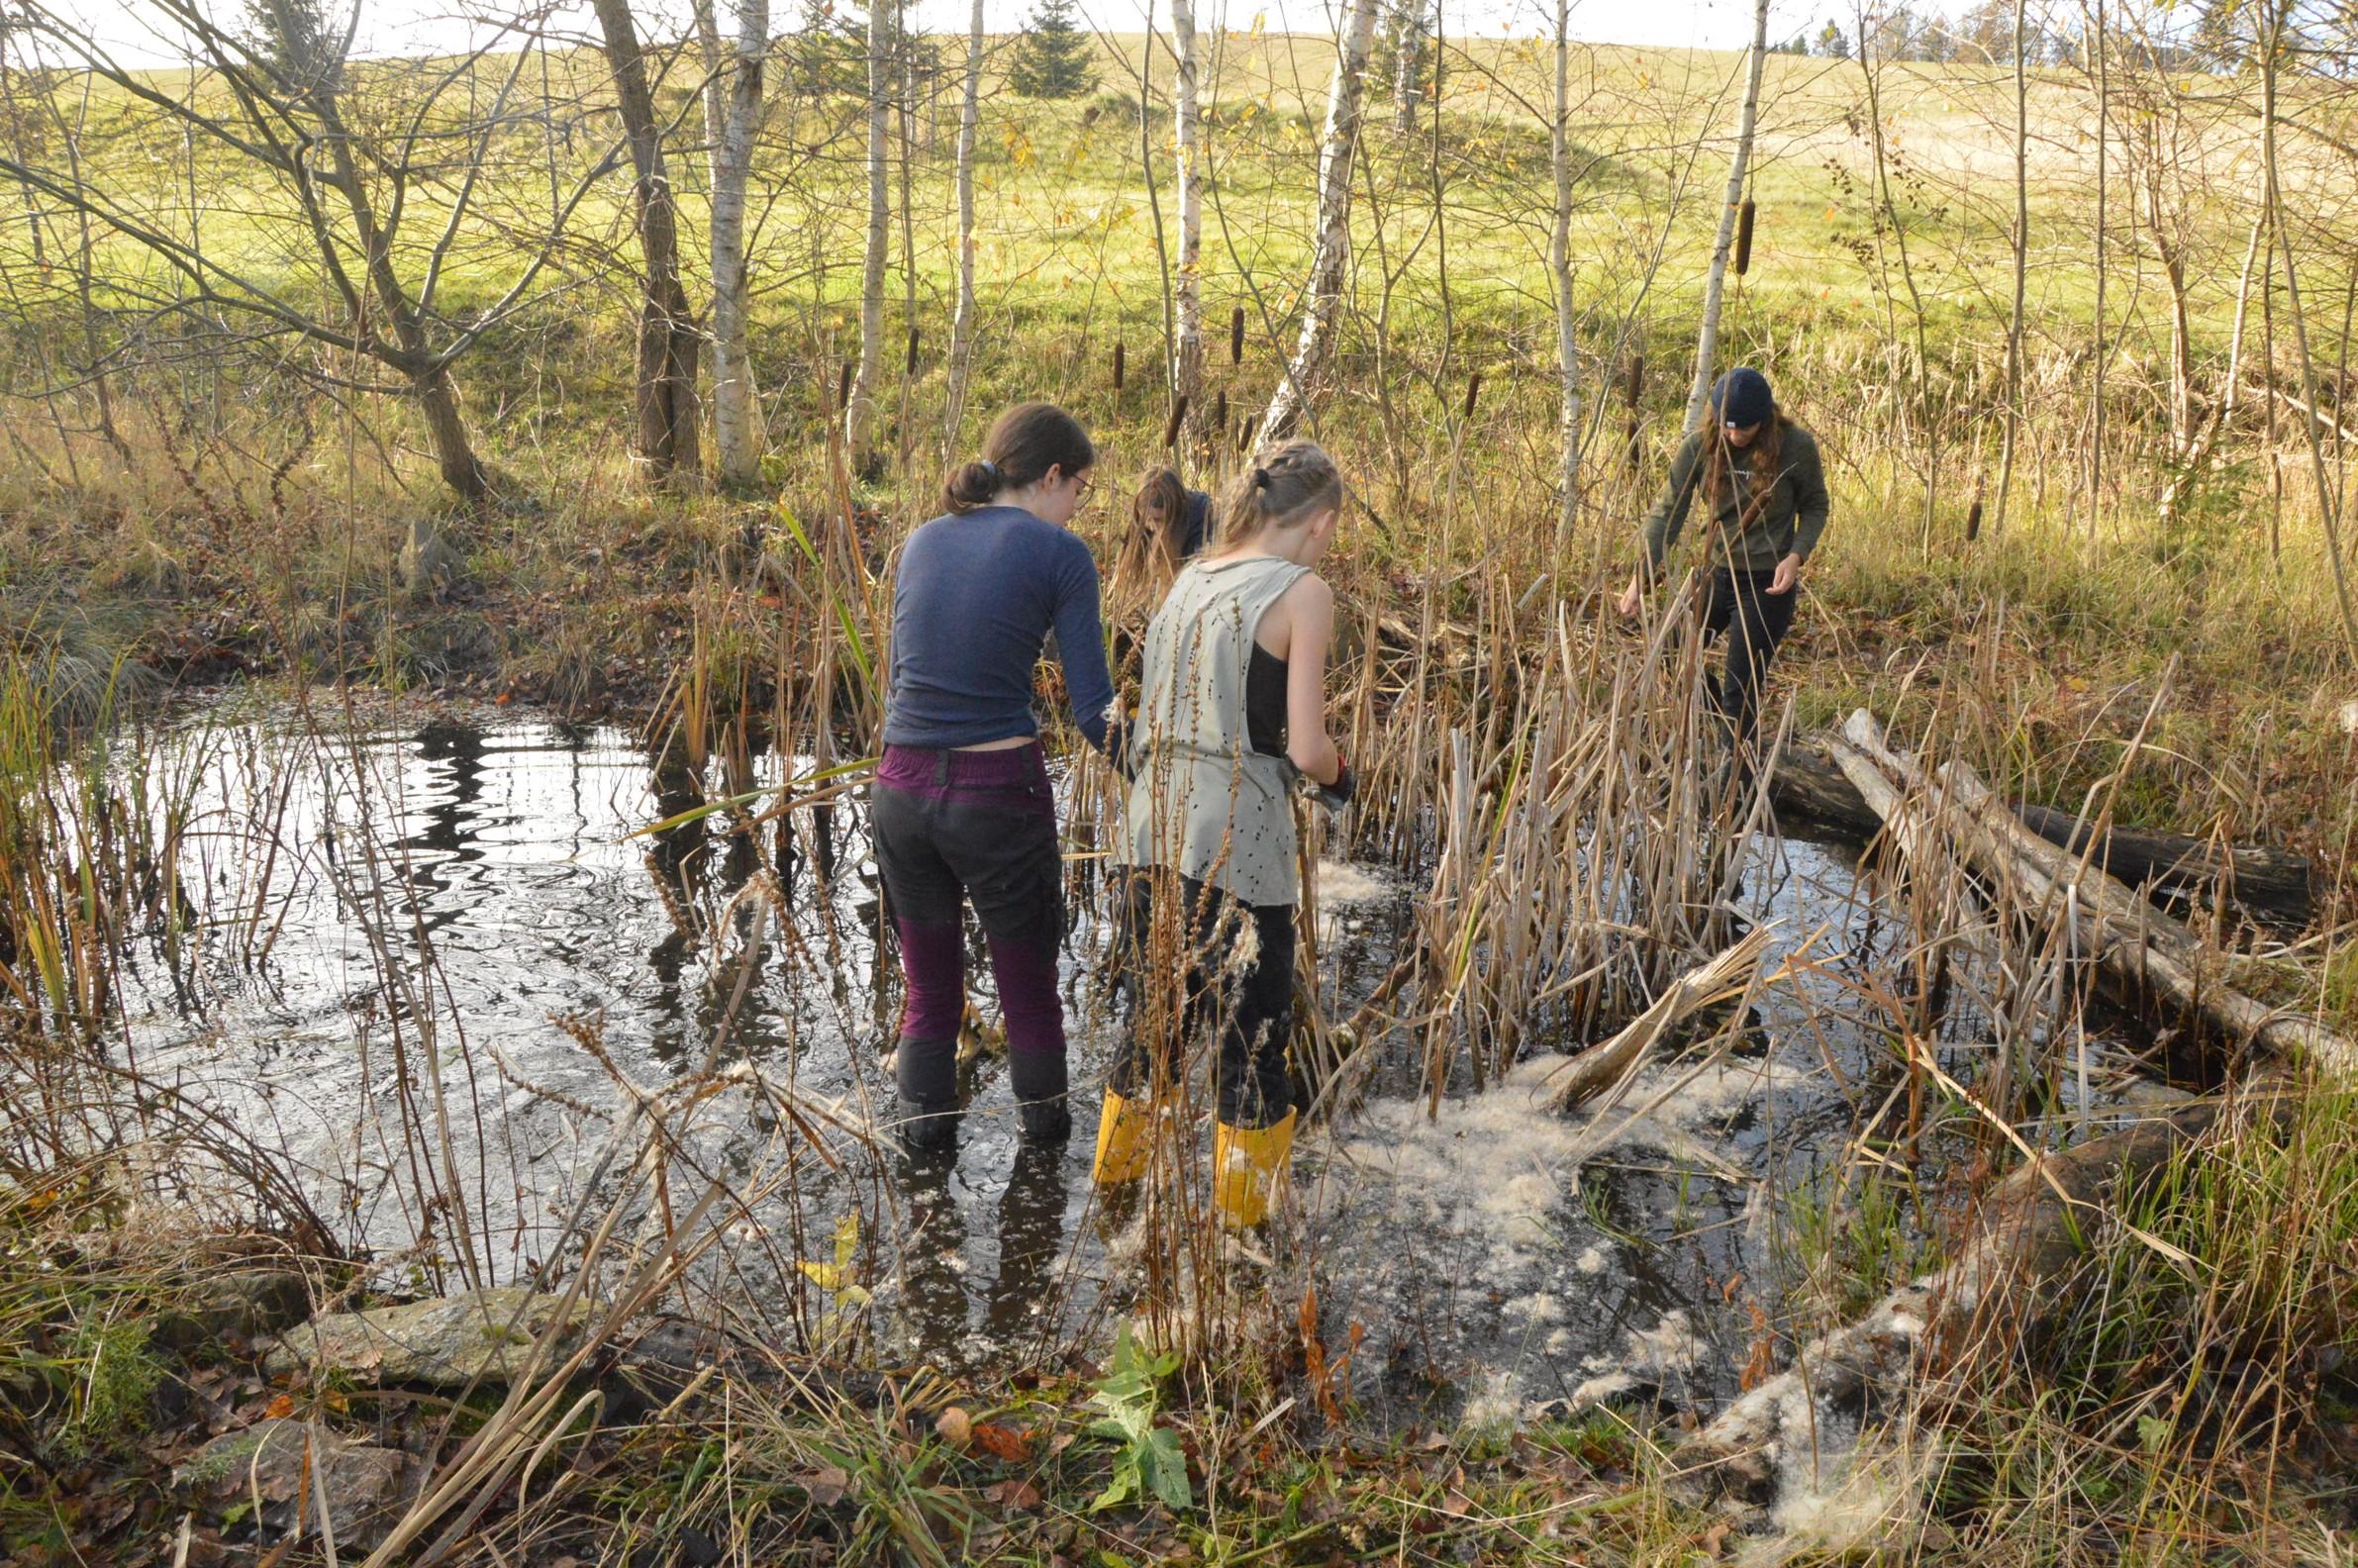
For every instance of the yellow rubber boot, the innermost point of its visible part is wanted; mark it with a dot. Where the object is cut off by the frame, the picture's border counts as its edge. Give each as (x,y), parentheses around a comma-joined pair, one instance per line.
(1122,1140)
(1247,1163)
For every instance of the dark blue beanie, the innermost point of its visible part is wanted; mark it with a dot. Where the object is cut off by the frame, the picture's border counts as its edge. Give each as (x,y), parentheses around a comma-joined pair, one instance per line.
(1742,398)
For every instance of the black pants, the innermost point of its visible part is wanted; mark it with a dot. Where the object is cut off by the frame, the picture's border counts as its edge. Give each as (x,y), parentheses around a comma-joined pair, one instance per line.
(1251,1005)
(1755,620)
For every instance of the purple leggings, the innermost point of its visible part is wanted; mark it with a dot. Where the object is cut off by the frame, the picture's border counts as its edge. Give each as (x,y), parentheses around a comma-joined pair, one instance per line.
(980,827)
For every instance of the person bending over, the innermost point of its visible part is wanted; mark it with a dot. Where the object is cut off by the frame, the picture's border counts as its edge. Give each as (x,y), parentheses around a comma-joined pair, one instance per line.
(1231,710)
(961,808)
(1760,477)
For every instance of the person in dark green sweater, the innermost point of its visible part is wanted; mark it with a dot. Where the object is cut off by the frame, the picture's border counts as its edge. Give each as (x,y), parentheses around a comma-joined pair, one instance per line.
(1760,477)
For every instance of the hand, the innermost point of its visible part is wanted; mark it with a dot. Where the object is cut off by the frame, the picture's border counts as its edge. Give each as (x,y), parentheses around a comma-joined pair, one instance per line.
(1630,598)
(1789,575)
(1336,795)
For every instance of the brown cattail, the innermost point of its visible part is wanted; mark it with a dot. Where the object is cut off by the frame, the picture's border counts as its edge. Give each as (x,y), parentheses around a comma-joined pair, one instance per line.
(1244,432)
(1744,237)
(844,386)
(1973,518)
(1117,359)
(1219,409)
(912,339)
(1236,335)
(1170,426)
(1473,392)
(1636,450)
(1634,388)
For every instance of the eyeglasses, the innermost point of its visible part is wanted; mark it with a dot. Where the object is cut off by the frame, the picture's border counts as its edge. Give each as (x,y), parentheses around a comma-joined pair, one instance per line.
(1086,485)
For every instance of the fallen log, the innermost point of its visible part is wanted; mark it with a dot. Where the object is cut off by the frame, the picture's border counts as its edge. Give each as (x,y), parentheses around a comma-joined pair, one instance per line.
(2121,931)
(2032,1229)
(2272,886)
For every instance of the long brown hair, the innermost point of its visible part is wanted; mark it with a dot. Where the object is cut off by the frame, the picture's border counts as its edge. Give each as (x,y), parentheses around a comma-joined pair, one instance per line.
(1767,451)
(1024,443)
(1157,526)
(1295,479)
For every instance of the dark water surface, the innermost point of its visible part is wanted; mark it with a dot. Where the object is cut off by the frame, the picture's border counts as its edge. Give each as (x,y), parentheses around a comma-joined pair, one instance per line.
(476,893)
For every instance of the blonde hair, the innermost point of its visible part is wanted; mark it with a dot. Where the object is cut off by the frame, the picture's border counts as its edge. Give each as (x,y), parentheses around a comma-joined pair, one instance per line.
(1284,488)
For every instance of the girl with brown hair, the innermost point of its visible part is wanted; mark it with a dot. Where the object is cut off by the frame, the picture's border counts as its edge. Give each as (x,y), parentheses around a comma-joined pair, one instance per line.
(962,810)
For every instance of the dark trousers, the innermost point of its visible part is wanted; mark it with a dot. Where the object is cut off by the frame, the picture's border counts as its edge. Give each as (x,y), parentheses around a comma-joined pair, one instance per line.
(1250,1003)
(958,826)
(1754,621)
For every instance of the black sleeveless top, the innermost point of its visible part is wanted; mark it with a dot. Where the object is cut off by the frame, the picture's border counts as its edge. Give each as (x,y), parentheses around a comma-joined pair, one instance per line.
(1265,702)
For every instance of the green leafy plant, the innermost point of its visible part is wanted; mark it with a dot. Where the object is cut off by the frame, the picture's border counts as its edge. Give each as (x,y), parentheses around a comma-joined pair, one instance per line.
(1149,1460)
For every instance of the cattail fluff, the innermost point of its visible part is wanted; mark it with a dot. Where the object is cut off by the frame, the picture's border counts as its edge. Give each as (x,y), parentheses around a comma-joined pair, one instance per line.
(1744,237)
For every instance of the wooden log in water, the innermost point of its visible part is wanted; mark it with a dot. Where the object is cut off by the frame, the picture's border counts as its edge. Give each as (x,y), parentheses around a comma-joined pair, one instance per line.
(2117,926)
(2269,885)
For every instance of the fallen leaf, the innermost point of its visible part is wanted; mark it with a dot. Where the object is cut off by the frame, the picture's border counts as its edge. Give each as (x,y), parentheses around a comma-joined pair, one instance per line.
(1013,1493)
(280,1408)
(954,1427)
(828,1487)
(1001,1442)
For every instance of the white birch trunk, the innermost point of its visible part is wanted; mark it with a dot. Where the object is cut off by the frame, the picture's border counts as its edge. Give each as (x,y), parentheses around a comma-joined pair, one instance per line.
(1408,68)
(860,408)
(1707,340)
(731,117)
(1330,262)
(1187,331)
(961,327)
(1559,269)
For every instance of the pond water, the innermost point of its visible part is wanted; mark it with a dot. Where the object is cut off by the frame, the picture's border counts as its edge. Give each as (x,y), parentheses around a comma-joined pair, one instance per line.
(473,895)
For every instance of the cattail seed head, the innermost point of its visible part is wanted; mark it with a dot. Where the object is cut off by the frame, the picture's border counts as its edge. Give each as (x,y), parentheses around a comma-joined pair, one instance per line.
(1634,388)
(1744,237)
(1236,335)
(1473,392)
(1219,409)
(844,386)
(1117,359)
(1170,426)
(913,342)
(1244,433)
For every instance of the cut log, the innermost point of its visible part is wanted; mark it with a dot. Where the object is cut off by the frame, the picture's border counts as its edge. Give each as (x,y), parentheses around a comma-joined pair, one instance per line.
(2270,886)
(2121,931)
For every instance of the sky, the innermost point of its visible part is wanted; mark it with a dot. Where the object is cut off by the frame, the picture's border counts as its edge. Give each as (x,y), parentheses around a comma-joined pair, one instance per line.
(133,31)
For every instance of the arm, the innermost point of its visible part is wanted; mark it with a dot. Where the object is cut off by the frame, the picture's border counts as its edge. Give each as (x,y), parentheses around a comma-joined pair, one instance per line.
(1669,516)
(1081,644)
(1310,620)
(1809,497)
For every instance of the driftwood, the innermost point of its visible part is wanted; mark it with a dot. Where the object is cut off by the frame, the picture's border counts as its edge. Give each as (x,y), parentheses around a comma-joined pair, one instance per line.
(2269,885)
(2033,1226)
(2123,933)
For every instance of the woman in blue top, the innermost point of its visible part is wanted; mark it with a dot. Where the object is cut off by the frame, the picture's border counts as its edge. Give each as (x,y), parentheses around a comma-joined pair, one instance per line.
(962,809)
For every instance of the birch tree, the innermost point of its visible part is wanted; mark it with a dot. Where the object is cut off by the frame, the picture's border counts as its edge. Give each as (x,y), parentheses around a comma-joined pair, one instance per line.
(1715,284)
(961,327)
(733,96)
(1187,137)
(1330,262)
(860,408)
(1560,271)
(665,393)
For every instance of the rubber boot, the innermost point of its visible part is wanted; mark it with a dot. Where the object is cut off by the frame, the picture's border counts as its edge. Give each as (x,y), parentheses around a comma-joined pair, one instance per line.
(1247,1163)
(1123,1141)
(1040,1085)
(926,1072)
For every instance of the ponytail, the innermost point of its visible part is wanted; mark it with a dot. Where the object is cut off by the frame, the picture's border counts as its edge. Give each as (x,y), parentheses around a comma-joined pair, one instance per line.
(1282,489)
(1024,443)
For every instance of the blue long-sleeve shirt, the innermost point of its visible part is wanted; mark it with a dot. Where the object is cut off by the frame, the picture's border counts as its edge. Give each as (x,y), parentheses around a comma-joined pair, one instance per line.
(976,597)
